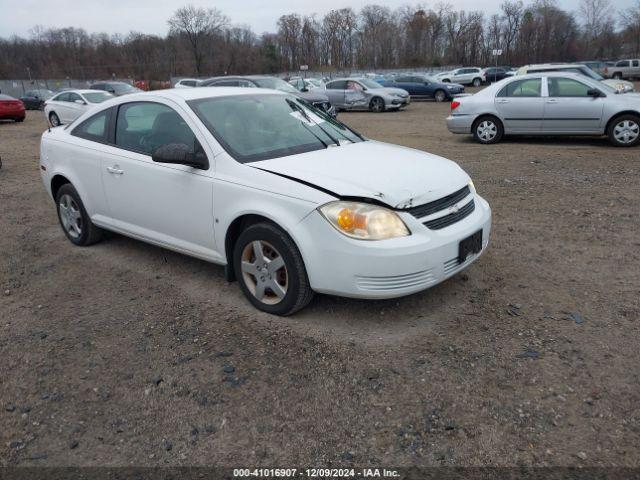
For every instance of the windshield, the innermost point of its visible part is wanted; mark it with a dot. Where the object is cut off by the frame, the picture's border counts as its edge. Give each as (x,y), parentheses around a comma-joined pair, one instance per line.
(97,97)
(276,84)
(590,73)
(315,82)
(263,126)
(124,88)
(369,83)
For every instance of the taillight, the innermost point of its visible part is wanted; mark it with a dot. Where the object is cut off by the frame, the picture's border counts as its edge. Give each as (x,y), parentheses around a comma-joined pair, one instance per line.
(455,104)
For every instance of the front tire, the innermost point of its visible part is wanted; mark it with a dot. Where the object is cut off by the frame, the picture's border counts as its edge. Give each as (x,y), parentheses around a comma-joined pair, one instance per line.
(377,105)
(617,76)
(477,82)
(54,120)
(270,270)
(487,130)
(624,131)
(74,219)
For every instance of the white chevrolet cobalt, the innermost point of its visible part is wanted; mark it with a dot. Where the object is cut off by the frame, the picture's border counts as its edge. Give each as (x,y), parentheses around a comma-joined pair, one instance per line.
(289,199)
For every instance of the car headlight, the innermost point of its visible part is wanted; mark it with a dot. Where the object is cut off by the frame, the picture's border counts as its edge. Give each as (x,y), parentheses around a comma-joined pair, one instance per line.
(450,87)
(364,221)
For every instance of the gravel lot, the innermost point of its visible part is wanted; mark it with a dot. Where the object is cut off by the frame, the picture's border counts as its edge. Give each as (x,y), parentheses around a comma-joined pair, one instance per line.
(127,354)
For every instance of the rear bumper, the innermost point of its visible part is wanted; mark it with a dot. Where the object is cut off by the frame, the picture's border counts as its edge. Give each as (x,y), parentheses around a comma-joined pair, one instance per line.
(460,123)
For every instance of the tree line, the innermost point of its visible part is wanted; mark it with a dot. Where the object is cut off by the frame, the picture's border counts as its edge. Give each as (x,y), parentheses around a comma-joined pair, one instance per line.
(204,42)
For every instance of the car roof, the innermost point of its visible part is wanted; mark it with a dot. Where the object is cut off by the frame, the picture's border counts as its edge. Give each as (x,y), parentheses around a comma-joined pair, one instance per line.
(187,94)
(551,66)
(80,90)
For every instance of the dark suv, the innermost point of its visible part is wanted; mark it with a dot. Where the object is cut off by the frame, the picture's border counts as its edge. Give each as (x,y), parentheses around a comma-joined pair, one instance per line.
(317,99)
(117,88)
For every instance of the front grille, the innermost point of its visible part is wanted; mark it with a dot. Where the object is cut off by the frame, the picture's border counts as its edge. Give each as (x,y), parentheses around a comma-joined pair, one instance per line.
(432,207)
(445,221)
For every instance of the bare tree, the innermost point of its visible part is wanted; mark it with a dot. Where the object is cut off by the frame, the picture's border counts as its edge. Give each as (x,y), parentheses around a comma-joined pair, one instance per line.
(597,18)
(197,25)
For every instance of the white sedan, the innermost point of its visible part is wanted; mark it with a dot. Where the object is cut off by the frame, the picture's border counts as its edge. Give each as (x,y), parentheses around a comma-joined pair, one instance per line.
(288,199)
(68,105)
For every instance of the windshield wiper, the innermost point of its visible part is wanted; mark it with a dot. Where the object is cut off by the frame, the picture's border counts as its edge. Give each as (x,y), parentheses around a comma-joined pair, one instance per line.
(304,113)
(306,116)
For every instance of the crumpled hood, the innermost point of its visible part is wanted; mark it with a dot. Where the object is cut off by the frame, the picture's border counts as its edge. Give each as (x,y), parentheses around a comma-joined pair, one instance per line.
(398,176)
(314,96)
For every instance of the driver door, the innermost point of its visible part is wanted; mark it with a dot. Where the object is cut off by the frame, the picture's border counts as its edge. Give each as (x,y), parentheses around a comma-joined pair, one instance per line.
(166,204)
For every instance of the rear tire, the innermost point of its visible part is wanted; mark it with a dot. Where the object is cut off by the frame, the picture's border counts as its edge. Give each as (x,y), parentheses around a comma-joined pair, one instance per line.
(477,82)
(74,219)
(624,131)
(617,76)
(487,130)
(281,290)
(54,120)
(440,95)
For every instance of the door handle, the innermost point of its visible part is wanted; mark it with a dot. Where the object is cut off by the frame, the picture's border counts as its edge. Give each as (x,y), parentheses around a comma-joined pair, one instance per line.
(552,100)
(502,100)
(115,170)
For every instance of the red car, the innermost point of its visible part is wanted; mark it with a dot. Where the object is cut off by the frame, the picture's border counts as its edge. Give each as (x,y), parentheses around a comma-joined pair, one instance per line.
(11,109)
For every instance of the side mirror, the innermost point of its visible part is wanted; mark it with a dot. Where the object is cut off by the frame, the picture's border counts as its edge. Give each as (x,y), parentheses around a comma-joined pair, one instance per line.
(594,92)
(304,89)
(80,102)
(111,90)
(180,154)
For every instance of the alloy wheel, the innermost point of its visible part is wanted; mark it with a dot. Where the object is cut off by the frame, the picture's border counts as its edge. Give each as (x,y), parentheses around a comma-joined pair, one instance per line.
(377,105)
(487,131)
(70,216)
(264,272)
(54,120)
(440,96)
(627,131)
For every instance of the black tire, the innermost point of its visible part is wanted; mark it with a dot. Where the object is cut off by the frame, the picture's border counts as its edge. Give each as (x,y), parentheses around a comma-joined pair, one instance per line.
(629,122)
(54,120)
(439,95)
(298,292)
(487,139)
(617,76)
(19,120)
(377,105)
(477,82)
(86,233)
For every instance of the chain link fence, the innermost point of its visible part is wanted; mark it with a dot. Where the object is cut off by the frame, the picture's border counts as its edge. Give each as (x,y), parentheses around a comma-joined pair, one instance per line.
(17,88)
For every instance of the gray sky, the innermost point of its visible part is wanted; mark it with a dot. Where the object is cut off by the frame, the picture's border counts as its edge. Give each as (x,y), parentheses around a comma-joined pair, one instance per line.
(150,16)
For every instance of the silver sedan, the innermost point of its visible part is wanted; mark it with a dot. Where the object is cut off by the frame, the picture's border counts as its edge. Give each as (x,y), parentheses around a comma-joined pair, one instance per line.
(363,93)
(552,103)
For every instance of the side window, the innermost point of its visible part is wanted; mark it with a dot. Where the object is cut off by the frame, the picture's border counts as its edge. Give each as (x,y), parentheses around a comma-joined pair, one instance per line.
(73,97)
(354,86)
(94,128)
(528,88)
(337,85)
(146,126)
(245,84)
(567,87)
(97,86)
(404,79)
(636,63)
(225,83)
(622,63)
(63,97)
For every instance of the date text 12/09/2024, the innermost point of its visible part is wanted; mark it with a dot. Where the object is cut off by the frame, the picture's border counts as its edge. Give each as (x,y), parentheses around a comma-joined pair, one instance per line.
(315,473)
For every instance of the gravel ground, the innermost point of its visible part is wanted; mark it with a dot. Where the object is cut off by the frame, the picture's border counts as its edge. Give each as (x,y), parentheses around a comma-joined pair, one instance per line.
(126,354)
